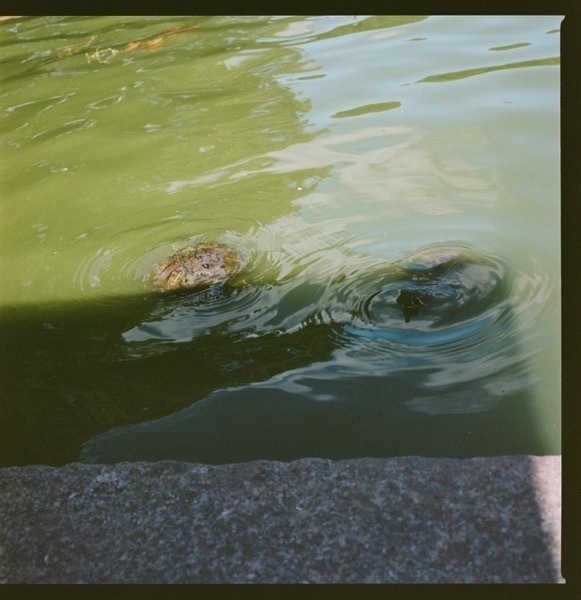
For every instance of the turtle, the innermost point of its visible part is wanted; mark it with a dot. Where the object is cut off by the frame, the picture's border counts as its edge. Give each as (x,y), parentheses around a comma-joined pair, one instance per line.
(197,267)
(449,279)
(411,301)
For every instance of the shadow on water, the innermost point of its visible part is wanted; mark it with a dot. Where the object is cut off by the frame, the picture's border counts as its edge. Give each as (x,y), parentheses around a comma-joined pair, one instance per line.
(279,371)
(68,374)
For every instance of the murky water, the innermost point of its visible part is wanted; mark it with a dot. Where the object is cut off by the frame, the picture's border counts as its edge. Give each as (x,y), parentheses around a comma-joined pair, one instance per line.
(356,165)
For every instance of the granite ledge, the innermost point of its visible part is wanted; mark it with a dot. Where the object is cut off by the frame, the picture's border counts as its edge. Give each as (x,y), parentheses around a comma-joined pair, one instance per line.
(369,520)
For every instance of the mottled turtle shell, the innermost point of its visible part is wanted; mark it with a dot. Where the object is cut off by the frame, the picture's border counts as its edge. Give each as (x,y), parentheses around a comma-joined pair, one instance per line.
(197,267)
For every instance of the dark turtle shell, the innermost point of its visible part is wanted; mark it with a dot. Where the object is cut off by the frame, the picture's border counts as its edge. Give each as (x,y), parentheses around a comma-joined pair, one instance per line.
(450,280)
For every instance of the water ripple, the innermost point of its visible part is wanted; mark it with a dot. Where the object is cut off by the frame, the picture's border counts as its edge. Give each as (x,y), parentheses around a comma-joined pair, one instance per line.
(466,337)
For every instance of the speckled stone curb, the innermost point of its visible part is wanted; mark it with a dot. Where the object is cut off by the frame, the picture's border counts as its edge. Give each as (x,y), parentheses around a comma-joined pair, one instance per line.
(408,519)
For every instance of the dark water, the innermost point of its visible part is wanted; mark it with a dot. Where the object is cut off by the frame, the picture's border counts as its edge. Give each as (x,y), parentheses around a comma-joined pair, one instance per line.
(390,183)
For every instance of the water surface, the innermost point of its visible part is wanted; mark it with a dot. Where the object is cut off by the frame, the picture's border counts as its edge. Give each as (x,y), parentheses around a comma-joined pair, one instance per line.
(326,151)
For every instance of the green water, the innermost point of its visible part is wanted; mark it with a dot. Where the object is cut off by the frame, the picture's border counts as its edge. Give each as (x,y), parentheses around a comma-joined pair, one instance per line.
(322,149)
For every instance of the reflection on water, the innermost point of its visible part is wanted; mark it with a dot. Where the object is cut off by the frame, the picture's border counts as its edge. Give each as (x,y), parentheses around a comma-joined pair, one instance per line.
(472,72)
(390,182)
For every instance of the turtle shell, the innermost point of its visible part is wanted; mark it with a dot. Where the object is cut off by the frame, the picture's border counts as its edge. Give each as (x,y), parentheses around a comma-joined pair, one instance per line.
(197,267)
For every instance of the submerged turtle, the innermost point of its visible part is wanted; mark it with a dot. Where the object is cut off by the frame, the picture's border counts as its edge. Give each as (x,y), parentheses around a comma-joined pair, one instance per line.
(451,280)
(195,267)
